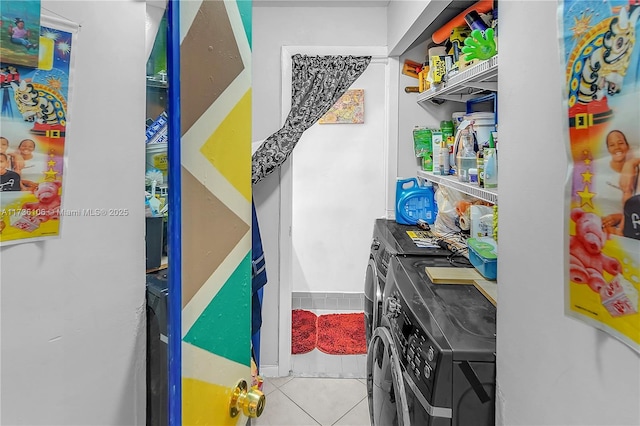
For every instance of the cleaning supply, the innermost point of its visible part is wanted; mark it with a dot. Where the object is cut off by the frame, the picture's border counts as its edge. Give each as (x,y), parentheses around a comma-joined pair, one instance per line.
(423,148)
(436,141)
(490,165)
(483,255)
(466,157)
(443,159)
(414,201)
(480,162)
(446,127)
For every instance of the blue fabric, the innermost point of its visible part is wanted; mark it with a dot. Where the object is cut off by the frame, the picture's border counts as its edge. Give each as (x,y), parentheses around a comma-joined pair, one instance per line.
(258,281)
(258,273)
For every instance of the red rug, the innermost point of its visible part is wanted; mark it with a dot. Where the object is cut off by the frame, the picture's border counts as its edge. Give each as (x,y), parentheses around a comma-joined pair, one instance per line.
(303,331)
(342,334)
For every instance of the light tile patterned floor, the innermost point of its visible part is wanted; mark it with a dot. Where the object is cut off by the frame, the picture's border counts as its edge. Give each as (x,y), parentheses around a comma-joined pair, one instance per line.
(305,401)
(326,390)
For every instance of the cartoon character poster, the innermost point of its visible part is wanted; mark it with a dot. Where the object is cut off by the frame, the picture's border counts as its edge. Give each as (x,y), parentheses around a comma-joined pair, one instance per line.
(601,60)
(33,123)
(19,32)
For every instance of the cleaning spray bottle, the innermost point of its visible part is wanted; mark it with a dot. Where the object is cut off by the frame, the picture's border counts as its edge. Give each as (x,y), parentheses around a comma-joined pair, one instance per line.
(490,165)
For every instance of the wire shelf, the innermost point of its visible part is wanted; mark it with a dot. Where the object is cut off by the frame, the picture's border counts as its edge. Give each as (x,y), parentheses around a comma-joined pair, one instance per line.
(487,194)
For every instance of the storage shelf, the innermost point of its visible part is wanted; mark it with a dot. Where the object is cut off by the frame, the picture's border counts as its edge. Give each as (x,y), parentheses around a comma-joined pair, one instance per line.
(466,84)
(486,194)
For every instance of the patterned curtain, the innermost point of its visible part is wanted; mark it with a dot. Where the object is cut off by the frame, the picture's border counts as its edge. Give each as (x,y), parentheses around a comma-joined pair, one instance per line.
(317,83)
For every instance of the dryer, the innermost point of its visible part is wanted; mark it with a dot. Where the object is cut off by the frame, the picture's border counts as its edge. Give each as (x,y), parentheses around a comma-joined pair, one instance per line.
(157,366)
(431,361)
(389,239)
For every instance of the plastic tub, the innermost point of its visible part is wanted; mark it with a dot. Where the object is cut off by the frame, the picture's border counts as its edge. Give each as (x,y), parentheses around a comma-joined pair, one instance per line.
(483,255)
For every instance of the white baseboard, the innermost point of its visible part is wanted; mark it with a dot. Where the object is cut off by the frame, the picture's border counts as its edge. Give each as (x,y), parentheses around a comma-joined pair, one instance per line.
(269,371)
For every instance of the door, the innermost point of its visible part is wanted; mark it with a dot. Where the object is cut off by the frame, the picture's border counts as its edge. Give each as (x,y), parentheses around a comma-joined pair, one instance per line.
(385,385)
(210,214)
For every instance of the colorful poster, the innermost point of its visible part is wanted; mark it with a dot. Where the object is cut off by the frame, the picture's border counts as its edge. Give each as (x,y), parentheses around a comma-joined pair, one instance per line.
(601,63)
(19,32)
(33,122)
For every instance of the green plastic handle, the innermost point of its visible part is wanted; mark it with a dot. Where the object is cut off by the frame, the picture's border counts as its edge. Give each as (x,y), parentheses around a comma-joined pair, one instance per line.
(479,45)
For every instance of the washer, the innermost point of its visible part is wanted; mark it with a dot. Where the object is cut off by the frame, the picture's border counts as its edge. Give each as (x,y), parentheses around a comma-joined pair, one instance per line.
(157,366)
(431,361)
(389,239)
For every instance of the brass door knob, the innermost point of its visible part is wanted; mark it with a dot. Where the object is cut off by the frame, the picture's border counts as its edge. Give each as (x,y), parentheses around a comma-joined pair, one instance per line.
(250,401)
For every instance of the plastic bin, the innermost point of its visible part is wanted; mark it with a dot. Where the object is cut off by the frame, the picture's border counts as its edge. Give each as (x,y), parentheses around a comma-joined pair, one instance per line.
(483,255)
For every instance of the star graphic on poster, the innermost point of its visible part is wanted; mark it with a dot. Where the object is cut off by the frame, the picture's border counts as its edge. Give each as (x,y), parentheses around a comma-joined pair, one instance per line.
(585,197)
(586,176)
(50,175)
(51,163)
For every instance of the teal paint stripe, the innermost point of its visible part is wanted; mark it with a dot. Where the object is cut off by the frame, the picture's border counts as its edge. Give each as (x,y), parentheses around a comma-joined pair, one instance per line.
(244,7)
(224,327)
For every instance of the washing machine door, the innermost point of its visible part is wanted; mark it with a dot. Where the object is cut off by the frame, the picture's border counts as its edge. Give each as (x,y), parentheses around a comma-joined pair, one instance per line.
(372,299)
(385,386)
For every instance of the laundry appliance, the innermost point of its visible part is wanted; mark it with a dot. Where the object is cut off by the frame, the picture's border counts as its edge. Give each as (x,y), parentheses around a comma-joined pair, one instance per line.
(157,366)
(389,239)
(431,361)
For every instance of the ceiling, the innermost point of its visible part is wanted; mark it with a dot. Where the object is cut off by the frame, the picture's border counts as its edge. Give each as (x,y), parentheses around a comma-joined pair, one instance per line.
(321,3)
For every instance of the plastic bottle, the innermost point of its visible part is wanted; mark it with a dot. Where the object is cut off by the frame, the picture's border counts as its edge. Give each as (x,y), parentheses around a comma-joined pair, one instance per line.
(474,21)
(443,158)
(480,161)
(466,158)
(490,165)
(414,201)
(446,127)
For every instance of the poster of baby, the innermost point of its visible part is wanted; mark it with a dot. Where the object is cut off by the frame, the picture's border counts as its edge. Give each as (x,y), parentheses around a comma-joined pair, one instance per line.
(33,123)
(601,70)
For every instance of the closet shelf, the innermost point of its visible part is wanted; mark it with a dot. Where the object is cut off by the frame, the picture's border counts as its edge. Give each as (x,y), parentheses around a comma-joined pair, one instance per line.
(465,85)
(486,194)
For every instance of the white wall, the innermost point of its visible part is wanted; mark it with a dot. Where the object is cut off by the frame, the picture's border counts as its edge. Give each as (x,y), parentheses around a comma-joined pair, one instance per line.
(274,27)
(552,370)
(73,309)
(338,171)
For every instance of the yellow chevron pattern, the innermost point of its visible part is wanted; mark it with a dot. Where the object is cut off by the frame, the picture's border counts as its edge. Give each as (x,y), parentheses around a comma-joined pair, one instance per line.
(216,232)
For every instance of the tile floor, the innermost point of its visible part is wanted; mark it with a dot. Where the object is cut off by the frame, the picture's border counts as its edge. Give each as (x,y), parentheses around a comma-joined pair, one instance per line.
(326,390)
(313,401)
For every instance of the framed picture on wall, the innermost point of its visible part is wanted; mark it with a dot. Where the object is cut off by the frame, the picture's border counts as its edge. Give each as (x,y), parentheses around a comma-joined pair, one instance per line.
(349,109)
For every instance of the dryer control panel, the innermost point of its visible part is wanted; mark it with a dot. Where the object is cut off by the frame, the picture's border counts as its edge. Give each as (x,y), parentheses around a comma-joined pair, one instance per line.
(419,355)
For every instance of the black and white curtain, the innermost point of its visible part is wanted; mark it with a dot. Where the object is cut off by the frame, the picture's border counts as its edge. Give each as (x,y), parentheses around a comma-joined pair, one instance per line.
(317,83)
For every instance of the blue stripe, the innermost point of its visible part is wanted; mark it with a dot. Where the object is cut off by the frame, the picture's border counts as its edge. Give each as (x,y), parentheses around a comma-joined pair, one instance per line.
(175,218)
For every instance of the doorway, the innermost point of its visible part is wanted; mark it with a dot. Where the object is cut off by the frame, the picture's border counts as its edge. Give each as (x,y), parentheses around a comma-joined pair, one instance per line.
(326,212)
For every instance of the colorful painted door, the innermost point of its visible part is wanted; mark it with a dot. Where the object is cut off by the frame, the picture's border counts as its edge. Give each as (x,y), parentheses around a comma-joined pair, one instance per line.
(214,81)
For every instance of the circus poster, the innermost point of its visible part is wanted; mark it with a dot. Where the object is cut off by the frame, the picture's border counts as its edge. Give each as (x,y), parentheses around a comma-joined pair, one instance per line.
(33,124)
(601,70)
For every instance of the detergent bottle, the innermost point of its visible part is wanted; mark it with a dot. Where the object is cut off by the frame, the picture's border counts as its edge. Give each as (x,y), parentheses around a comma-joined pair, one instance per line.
(414,201)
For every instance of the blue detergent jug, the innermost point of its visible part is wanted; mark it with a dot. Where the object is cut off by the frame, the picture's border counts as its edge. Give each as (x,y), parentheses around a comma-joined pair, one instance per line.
(414,202)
